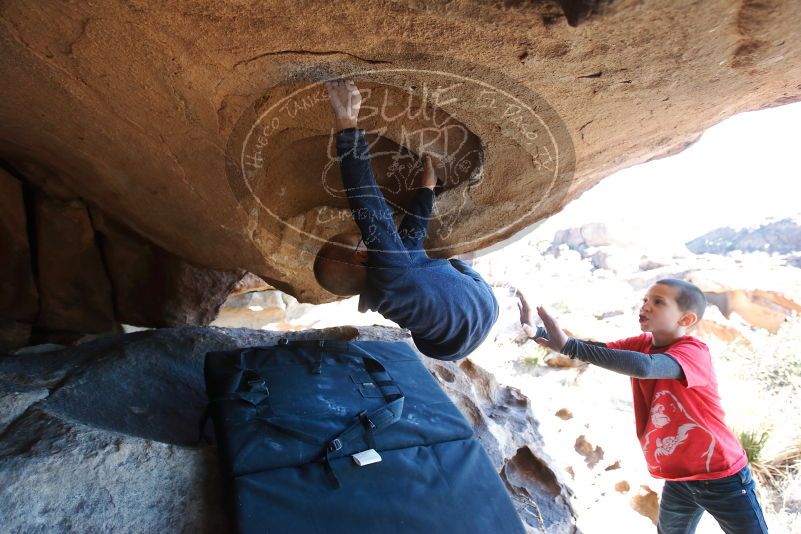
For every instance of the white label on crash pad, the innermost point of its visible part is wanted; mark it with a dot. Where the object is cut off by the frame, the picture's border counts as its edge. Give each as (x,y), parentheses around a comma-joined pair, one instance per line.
(366,457)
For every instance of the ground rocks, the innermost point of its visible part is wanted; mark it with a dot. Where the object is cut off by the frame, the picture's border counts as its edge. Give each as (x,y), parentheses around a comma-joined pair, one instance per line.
(102,437)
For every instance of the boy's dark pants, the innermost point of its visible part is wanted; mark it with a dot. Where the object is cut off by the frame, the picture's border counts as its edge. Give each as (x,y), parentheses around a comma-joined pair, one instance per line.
(731,500)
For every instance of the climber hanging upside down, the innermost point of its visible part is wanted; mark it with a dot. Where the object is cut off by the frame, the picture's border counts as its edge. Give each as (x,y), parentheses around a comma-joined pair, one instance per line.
(446,305)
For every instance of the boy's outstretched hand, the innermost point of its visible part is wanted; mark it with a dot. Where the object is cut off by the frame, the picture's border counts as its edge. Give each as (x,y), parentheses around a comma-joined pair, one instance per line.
(556,337)
(526,315)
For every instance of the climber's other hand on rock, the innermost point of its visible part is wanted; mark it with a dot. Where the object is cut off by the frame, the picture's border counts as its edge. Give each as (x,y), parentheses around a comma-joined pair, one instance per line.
(345,100)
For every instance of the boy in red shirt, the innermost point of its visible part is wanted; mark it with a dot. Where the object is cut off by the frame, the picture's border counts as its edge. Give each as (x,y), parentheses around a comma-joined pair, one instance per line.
(677,410)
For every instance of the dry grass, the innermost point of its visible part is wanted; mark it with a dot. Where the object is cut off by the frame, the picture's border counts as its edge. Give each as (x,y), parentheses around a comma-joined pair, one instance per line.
(776,471)
(765,397)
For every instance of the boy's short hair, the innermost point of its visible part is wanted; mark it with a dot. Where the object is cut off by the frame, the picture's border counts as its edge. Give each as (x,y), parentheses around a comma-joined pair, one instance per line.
(689,297)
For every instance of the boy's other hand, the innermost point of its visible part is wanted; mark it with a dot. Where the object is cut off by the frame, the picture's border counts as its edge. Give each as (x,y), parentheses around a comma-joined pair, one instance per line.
(345,100)
(556,337)
(526,315)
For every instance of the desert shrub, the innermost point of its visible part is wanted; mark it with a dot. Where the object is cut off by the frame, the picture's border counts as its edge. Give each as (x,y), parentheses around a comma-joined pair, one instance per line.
(768,378)
(753,441)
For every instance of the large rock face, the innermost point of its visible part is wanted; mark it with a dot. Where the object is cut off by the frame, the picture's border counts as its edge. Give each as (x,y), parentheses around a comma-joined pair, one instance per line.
(759,308)
(69,270)
(201,128)
(18,293)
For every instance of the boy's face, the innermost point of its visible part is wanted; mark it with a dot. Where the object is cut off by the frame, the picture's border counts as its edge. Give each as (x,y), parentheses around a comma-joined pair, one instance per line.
(660,311)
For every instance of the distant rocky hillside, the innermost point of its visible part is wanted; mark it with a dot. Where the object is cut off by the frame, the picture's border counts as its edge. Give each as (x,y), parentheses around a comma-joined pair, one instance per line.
(746,291)
(780,237)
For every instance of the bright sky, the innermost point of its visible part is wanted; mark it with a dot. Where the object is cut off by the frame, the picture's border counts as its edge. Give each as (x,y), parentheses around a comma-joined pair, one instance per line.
(742,171)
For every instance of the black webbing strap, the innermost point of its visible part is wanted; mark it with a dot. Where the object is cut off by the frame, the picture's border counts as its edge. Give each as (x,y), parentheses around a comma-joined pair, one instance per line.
(253,390)
(369,429)
(255,394)
(365,427)
(201,431)
(367,423)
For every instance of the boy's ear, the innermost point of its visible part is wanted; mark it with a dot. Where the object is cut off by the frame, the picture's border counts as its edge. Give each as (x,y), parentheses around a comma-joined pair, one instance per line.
(688,319)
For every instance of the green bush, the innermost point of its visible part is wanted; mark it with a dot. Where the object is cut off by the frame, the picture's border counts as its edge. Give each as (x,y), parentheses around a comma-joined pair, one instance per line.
(753,441)
(531,360)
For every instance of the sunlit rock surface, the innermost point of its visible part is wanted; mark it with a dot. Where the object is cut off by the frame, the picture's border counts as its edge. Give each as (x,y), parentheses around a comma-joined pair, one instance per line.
(145,111)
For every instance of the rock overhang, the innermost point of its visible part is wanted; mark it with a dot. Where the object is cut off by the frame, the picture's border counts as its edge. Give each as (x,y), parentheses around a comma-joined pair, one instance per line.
(131,107)
(282,162)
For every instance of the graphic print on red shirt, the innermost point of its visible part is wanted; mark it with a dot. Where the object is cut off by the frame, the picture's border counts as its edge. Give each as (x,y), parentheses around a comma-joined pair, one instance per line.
(680,423)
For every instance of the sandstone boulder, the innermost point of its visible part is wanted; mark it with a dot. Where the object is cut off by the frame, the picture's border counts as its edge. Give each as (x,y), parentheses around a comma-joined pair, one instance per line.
(155,288)
(761,309)
(18,294)
(502,419)
(145,109)
(75,292)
